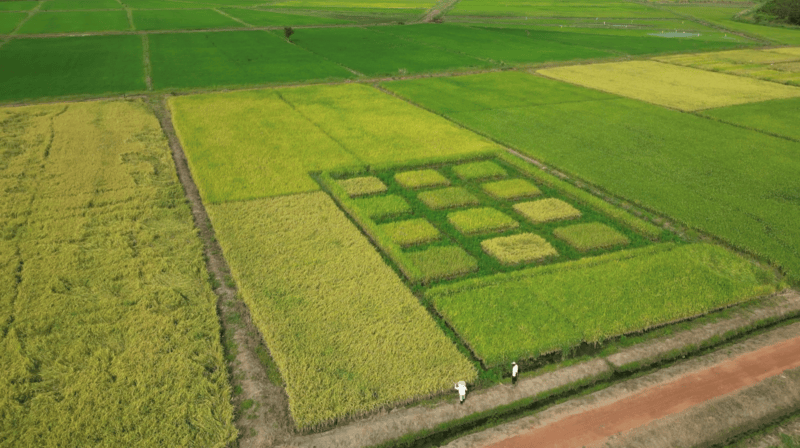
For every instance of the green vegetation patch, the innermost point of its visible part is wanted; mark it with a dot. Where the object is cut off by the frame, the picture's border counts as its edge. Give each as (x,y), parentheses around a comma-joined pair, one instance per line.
(374,53)
(481,220)
(520,248)
(76,22)
(338,334)
(34,68)
(442,262)
(592,299)
(380,207)
(479,171)
(189,60)
(197,19)
(110,331)
(545,210)
(590,236)
(18,5)
(741,188)
(421,179)
(410,231)
(526,8)
(362,186)
(778,117)
(53,5)
(451,197)
(256,17)
(10,20)
(511,189)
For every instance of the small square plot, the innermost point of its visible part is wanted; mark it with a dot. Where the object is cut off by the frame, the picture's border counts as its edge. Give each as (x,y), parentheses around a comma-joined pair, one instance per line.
(452,197)
(479,170)
(516,249)
(511,189)
(421,179)
(481,220)
(379,207)
(410,232)
(437,263)
(362,186)
(545,210)
(590,236)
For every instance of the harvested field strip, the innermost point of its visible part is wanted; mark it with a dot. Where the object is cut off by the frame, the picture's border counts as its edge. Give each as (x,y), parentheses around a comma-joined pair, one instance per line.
(304,129)
(110,313)
(630,291)
(671,86)
(741,187)
(777,66)
(328,341)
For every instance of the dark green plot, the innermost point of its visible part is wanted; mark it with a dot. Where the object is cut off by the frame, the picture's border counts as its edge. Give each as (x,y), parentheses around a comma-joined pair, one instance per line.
(76,22)
(55,5)
(739,185)
(233,58)
(18,6)
(485,44)
(162,4)
(778,117)
(10,20)
(377,53)
(197,19)
(621,44)
(34,68)
(268,18)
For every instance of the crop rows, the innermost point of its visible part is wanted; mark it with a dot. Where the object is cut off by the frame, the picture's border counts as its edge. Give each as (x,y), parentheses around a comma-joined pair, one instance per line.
(109,325)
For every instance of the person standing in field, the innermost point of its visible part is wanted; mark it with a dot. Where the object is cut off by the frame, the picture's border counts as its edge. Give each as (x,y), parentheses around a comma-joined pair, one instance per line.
(461,387)
(514,372)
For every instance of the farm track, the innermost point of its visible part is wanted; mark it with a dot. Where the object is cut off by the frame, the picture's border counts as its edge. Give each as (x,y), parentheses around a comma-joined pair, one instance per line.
(437,10)
(267,422)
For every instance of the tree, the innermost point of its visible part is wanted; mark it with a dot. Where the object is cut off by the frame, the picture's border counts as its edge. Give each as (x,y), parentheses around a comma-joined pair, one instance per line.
(288,31)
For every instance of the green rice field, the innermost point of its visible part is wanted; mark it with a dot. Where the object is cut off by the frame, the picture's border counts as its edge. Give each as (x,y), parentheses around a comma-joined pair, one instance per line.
(10,20)
(776,117)
(34,68)
(257,17)
(18,5)
(76,22)
(528,8)
(59,5)
(182,20)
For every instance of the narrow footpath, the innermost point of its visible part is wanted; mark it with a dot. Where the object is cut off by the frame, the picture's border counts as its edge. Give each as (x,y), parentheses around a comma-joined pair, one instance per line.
(702,401)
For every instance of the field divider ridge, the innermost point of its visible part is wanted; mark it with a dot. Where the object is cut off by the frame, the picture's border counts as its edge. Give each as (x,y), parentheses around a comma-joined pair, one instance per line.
(537,392)
(148,68)
(269,421)
(233,18)
(359,74)
(31,13)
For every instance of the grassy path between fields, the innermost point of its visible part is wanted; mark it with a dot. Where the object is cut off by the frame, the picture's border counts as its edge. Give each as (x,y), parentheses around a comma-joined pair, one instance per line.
(262,416)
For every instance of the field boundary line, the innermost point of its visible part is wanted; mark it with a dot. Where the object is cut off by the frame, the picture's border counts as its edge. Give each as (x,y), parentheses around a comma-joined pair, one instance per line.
(148,69)
(233,18)
(446,50)
(268,422)
(129,13)
(436,10)
(699,113)
(357,73)
(31,13)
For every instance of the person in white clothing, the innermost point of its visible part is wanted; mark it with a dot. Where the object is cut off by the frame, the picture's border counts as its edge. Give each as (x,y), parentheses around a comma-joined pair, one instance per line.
(514,372)
(461,387)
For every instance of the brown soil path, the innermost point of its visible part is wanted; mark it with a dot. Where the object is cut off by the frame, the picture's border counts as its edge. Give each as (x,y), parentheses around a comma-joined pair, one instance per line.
(595,426)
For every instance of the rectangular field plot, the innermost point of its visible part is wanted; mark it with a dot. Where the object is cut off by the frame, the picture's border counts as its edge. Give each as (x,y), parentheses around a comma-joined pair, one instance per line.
(110,330)
(723,15)
(18,5)
(559,306)
(269,18)
(484,234)
(199,19)
(162,4)
(330,310)
(34,68)
(734,183)
(777,66)
(526,8)
(57,5)
(263,143)
(672,86)
(187,60)
(371,4)
(485,44)
(376,53)
(10,20)
(76,22)
(778,117)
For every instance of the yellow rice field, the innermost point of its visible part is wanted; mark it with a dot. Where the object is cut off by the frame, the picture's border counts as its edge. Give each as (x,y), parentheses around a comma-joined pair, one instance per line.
(778,65)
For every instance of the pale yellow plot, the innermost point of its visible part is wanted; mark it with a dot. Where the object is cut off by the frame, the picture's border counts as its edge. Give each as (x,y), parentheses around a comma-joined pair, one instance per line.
(793,51)
(736,56)
(672,86)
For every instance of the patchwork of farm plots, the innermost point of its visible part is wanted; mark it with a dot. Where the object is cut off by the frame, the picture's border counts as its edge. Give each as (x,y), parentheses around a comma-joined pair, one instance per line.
(109,326)
(673,86)
(447,209)
(779,64)
(738,187)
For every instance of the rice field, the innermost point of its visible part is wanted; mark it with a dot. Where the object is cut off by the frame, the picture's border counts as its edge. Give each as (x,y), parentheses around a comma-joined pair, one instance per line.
(778,65)
(17,5)
(109,325)
(776,117)
(672,86)
(75,22)
(534,8)
(199,19)
(740,187)
(10,20)
(65,5)
(257,17)
(327,340)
